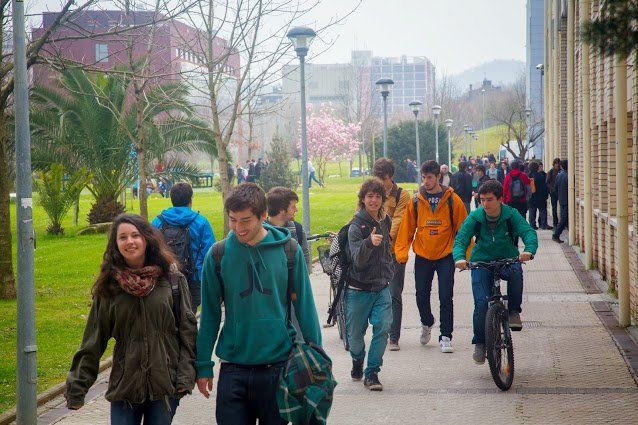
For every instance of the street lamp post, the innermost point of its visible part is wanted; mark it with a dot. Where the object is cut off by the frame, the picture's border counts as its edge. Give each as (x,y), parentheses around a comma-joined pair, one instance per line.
(448,124)
(436,110)
(528,116)
(483,122)
(385,85)
(415,109)
(301,38)
(466,130)
(473,136)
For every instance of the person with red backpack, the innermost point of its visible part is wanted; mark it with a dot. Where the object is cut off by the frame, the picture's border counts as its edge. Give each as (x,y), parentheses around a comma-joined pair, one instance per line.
(517,189)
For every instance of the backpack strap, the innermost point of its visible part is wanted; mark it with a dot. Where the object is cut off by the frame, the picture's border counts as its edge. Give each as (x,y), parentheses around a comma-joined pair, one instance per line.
(450,206)
(510,230)
(415,205)
(398,197)
(163,220)
(217,251)
(290,249)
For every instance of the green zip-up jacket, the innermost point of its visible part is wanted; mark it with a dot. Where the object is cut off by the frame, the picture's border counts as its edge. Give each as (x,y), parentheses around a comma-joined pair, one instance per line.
(496,245)
(255,283)
(152,358)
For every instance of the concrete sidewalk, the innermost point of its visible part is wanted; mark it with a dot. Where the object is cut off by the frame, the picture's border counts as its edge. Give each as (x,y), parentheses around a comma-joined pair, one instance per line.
(568,368)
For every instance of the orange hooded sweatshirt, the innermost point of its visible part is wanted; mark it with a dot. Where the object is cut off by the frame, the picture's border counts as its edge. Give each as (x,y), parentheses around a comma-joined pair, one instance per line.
(434,233)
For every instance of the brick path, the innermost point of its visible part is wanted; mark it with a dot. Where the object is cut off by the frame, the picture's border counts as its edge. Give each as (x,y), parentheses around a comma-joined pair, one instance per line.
(568,368)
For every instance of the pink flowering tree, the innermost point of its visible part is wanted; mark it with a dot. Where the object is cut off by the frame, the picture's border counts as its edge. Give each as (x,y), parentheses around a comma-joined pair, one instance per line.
(329,138)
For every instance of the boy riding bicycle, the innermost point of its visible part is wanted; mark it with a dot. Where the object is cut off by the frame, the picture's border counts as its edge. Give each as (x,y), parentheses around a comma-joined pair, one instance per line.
(497,228)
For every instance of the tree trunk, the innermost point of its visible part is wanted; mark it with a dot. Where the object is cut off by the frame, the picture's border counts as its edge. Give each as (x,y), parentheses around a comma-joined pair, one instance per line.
(7,280)
(141,156)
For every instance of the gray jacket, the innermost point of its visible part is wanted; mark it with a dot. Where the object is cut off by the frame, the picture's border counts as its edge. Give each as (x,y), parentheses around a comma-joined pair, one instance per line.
(372,267)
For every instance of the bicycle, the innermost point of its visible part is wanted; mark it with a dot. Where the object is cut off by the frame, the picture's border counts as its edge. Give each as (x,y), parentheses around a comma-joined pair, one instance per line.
(498,336)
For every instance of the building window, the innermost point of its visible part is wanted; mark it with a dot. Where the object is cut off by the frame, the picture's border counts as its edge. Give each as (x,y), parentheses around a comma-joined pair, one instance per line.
(101,53)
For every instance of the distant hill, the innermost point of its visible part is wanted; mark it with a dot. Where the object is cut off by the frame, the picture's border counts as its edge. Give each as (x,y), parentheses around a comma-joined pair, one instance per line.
(500,71)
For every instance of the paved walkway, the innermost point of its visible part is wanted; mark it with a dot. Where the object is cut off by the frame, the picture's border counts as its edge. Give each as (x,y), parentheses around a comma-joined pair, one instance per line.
(568,368)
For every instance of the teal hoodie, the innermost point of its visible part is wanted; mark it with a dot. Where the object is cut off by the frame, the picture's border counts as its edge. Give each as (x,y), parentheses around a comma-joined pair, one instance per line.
(495,245)
(255,329)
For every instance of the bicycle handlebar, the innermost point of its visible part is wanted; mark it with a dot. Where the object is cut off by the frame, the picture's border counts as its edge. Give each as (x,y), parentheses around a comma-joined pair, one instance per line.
(320,236)
(491,264)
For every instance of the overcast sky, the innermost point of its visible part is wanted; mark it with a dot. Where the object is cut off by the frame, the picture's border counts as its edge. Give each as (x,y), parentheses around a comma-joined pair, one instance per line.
(454,34)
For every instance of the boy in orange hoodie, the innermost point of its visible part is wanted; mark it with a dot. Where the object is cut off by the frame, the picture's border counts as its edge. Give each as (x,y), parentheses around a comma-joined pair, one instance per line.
(436,214)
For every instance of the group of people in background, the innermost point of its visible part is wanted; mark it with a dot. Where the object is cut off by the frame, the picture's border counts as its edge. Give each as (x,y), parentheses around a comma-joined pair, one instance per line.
(527,187)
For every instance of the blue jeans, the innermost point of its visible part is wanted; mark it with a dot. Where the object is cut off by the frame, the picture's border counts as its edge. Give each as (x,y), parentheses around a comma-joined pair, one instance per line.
(423,275)
(155,412)
(363,307)
(564,220)
(312,177)
(247,394)
(482,281)
(396,291)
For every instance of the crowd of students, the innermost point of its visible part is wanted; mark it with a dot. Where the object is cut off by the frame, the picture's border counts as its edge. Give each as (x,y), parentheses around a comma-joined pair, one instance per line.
(257,302)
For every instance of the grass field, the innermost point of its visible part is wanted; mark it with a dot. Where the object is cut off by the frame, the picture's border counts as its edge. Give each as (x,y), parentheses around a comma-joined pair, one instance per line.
(493,139)
(65,267)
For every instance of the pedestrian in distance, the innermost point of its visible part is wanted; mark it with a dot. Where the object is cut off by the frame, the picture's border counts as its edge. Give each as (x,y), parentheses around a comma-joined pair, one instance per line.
(396,201)
(551,185)
(188,234)
(429,225)
(282,207)
(367,295)
(492,172)
(257,271)
(462,185)
(445,176)
(141,300)
(538,200)
(312,175)
(517,189)
(481,177)
(496,228)
(561,188)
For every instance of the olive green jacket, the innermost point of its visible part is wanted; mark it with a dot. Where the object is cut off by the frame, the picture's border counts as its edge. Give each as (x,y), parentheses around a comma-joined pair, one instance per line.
(152,359)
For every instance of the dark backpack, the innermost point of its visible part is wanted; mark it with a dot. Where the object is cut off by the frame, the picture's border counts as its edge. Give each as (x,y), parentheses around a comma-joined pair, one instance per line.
(517,188)
(178,239)
(290,248)
(340,261)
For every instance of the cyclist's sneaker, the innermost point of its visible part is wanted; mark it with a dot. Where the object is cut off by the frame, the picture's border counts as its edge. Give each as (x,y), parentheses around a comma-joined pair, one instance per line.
(372,382)
(515,321)
(446,345)
(357,370)
(394,346)
(426,333)
(479,353)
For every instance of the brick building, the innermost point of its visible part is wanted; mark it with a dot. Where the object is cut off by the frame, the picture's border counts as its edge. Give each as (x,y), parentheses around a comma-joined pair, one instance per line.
(591,115)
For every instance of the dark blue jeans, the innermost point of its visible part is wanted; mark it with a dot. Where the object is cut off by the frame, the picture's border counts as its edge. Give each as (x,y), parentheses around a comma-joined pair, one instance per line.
(247,394)
(423,275)
(564,220)
(482,281)
(195,289)
(396,291)
(157,412)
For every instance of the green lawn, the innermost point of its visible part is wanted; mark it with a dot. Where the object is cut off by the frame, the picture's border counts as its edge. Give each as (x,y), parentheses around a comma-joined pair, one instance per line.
(65,267)
(493,138)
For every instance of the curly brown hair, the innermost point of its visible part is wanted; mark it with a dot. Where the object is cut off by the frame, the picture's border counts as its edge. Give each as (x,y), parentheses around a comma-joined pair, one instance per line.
(157,253)
(371,185)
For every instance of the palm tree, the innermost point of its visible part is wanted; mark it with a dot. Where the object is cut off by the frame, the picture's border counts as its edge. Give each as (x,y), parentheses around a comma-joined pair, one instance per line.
(90,122)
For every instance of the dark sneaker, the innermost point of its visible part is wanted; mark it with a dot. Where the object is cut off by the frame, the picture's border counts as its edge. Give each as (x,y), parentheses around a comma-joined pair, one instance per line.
(557,239)
(372,382)
(515,321)
(547,228)
(479,354)
(394,345)
(357,370)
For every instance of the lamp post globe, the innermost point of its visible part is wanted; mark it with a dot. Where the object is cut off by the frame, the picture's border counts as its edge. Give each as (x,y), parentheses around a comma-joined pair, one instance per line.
(301,38)
(384,85)
(436,111)
(415,105)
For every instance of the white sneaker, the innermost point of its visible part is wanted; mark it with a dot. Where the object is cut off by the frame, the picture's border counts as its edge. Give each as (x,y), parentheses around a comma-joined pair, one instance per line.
(446,345)
(426,333)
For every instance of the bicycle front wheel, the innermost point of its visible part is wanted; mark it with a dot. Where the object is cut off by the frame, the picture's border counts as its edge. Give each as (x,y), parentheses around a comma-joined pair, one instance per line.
(498,344)
(341,321)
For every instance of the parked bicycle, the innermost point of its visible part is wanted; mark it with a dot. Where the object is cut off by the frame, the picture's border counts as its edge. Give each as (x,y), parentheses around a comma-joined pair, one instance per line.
(328,257)
(498,336)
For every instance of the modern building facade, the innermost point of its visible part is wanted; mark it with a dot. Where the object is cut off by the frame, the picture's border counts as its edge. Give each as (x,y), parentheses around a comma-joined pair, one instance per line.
(535,51)
(591,116)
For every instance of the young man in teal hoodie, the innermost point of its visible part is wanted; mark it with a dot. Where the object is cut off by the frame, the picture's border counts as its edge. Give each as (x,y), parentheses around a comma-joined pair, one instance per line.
(497,228)
(256,337)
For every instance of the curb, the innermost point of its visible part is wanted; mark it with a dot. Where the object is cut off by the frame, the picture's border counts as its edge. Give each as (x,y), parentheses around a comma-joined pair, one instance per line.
(49,394)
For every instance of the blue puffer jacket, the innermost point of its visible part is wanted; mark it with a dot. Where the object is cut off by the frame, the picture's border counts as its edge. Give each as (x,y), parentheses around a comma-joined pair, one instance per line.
(202,237)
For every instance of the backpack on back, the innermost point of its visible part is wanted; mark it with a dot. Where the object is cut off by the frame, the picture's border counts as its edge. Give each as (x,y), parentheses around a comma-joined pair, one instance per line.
(517,188)
(178,239)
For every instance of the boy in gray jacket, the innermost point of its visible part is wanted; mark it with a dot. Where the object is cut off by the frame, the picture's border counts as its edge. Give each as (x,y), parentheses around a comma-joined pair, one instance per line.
(368,295)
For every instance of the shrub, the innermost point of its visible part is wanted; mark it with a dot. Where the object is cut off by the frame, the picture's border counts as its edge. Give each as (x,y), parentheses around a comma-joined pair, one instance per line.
(278,172)
(104,210)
